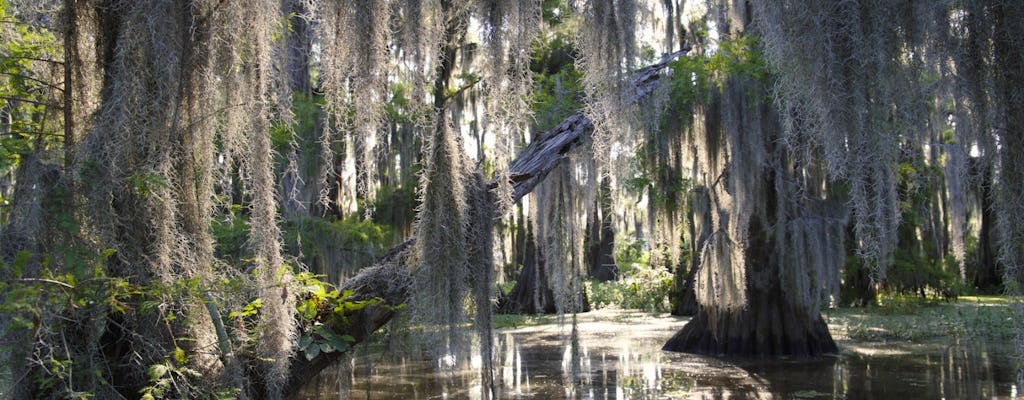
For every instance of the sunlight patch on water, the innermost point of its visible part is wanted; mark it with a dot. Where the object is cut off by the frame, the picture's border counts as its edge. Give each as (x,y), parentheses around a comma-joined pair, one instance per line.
(890,350)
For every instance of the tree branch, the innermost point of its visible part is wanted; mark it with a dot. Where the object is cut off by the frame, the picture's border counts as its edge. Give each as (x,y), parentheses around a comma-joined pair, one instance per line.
(39,81)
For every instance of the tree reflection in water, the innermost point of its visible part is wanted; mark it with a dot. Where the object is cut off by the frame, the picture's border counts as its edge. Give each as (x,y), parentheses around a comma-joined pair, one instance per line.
(619,357)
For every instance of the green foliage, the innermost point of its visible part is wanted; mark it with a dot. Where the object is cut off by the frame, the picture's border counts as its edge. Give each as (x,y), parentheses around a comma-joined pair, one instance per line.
(313,236)
(144,184)
(31,298)
(694,78)
(323,313)
(28,91)
(395,206)
(646,290)
(514,321)
(352,241)
(66,299)
(631,255)
(558,84)
(230,234)
(856,289)
(914,267)
(640,287)
(558,95)
(555,12)
(302,133)
(666,190)
(911,272)
(249,310)
(166,376)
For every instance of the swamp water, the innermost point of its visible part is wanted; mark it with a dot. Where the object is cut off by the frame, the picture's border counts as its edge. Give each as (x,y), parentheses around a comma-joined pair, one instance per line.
(620,357)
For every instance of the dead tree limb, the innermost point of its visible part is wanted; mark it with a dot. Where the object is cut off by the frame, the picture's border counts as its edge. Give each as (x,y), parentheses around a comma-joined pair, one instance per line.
(390,279)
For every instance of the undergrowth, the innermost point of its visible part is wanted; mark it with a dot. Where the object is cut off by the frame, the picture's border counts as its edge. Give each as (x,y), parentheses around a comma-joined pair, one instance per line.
(641,286)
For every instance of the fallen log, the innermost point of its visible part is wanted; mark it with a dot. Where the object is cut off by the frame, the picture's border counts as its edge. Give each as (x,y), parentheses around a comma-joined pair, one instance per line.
(390,279)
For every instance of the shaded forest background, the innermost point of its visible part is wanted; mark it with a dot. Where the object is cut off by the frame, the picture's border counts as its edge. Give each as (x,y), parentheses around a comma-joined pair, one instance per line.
(191,192)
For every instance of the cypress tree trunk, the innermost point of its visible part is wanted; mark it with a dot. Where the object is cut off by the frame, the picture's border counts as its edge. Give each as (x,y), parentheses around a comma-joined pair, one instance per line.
(987,277)
(299,45)
(770,324)
(770,248)
(601,237)
(531,294)
(780,316)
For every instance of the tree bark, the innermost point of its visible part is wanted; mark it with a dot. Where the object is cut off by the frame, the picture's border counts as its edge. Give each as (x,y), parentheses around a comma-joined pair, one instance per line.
(299,45)
(602,237)
(768,327)
(532,294)
(390,279)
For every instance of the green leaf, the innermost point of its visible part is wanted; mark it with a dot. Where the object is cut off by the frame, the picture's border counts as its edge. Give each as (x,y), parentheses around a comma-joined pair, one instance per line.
(312,351)
(179,356)
(305,341)
(157,371)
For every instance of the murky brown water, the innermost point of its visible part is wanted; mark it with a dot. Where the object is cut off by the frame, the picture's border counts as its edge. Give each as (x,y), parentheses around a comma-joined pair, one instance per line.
(620,357)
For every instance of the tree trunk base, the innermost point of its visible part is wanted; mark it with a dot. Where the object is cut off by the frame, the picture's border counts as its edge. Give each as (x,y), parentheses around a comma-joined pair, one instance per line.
(767,329)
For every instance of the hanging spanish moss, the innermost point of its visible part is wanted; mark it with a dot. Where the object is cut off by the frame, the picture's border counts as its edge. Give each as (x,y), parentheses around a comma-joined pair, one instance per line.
(353,77)
(1008,72)
(481,216)
(659,162)
(416,40)
(730,141)
(509,29)
(182,80)
(956,169)
(607,54)
(773,245)
(442,276)
(848,83)
(561,215)
(277,321)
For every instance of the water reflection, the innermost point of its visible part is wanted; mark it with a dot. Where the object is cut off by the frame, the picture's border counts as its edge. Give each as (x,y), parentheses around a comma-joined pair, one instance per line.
(623,360)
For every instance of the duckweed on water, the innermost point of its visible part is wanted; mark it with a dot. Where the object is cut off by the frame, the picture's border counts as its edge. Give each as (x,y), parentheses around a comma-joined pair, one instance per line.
(904,319)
